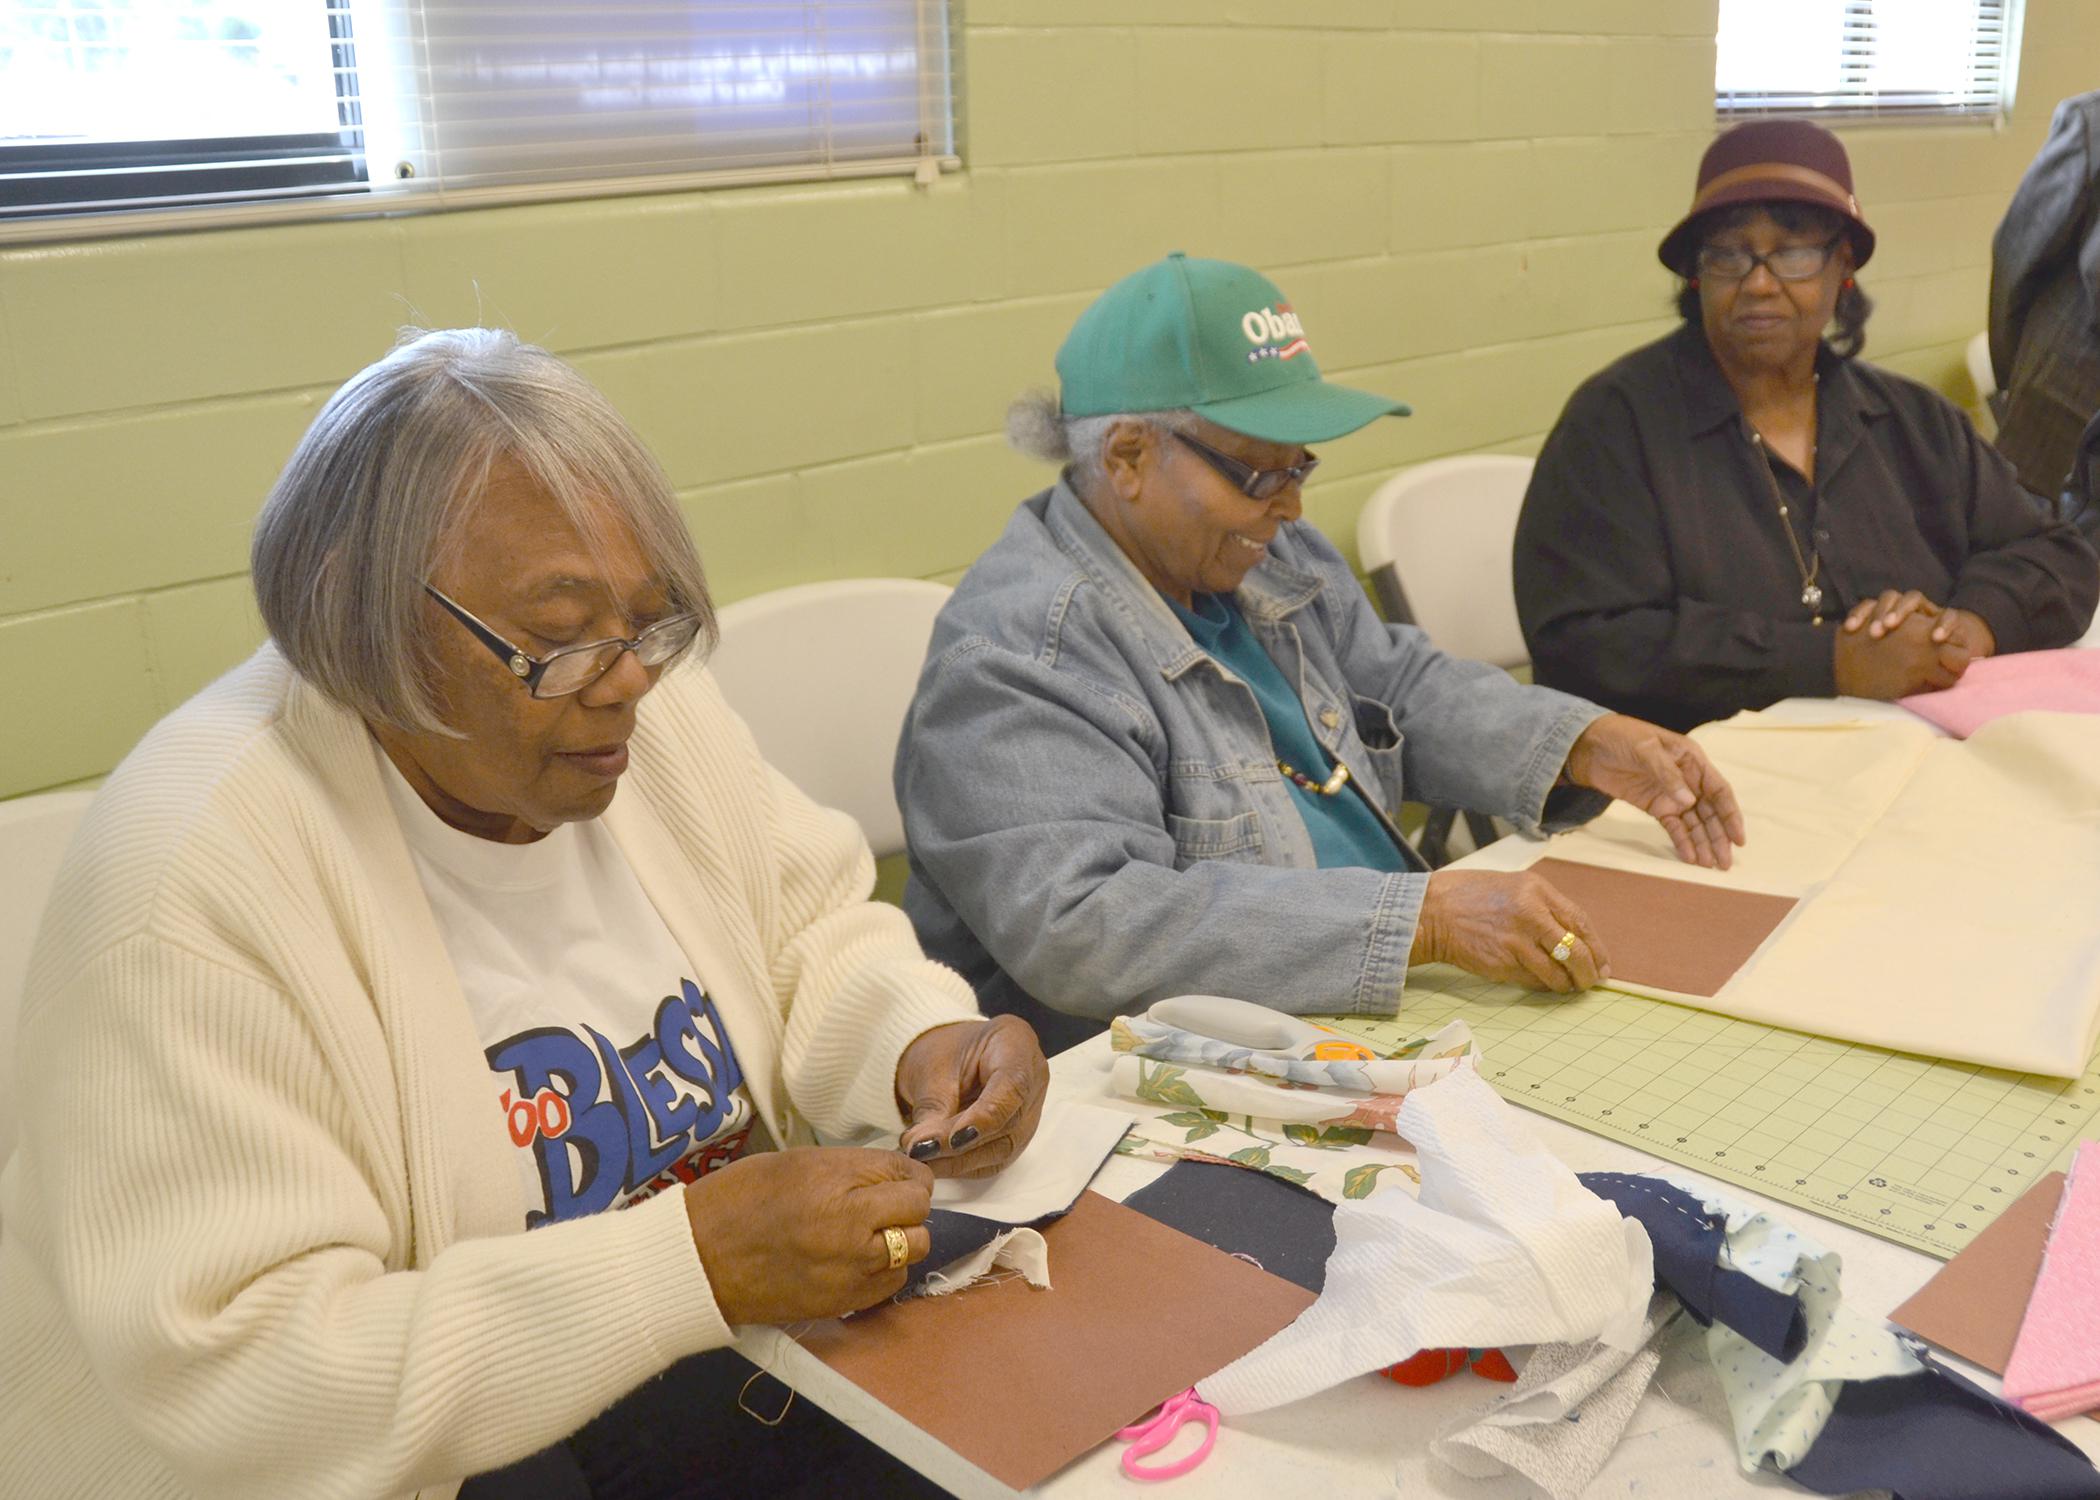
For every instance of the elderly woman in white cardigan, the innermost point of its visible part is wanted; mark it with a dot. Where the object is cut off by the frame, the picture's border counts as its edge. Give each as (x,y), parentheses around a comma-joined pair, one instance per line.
(360,970)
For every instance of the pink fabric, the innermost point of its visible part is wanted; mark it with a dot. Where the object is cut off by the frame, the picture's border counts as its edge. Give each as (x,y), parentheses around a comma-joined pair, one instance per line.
(2065,682)
(2055,1367)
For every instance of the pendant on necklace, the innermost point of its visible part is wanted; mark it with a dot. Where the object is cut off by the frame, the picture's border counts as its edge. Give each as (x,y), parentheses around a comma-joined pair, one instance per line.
(1812,596)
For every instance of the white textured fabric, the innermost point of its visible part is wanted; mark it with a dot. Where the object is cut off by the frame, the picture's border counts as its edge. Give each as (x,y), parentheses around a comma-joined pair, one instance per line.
(263,1229)
(1022,1250)
(1557,1426)
(1504,1246)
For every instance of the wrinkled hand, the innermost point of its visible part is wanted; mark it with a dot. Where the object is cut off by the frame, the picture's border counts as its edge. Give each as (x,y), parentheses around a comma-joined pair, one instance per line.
(1967,628)
(1504,926)
(1925,650)
(789,1235)
(973,1092)
(1667,777)
(1882,616)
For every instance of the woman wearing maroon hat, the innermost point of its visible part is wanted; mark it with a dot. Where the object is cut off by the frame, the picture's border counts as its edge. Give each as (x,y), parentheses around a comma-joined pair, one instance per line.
(1743,511)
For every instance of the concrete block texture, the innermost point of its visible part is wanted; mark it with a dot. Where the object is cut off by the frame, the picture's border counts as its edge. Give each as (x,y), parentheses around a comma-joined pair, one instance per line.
(116,324)
(88,672)
(1462,201)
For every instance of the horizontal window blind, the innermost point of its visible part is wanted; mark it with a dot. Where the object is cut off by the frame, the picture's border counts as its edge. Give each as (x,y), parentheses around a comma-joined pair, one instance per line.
(423,103)
(1853,59)
(539,90)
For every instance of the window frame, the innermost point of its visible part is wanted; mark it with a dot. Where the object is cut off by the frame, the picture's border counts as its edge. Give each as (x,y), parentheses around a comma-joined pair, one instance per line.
(263,182)
(1877,109)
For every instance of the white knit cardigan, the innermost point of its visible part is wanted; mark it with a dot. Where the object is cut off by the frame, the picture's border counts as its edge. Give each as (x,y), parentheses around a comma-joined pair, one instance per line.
(263,1235)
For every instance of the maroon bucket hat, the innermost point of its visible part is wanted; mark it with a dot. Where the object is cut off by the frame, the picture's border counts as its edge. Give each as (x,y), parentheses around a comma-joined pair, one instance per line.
(1770,161)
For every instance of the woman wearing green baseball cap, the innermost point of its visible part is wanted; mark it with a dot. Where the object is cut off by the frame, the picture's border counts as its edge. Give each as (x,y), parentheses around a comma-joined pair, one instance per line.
(1161,736)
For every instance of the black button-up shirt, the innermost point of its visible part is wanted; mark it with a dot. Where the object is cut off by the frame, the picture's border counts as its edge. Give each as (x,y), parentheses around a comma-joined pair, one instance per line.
(1653,575)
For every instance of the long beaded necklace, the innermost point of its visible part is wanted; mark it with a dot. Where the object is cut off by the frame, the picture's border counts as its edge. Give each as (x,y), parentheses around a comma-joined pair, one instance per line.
(1812,562)
(1328,788)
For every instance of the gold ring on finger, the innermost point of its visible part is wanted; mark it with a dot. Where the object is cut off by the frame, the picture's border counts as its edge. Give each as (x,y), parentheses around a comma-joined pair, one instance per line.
(899,1247)
(1565,948)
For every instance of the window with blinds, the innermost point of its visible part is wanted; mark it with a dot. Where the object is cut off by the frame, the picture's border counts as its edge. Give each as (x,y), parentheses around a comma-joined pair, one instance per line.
(1853,59)
(360,105)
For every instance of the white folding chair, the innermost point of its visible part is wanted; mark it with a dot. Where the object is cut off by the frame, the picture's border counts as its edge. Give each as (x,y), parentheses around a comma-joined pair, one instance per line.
(1985,379)
(823,673)
(1449,524)
(34,832)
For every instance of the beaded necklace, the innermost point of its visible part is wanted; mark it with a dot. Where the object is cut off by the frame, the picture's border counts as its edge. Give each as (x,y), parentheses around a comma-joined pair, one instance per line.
(1333,784)
(1811,563)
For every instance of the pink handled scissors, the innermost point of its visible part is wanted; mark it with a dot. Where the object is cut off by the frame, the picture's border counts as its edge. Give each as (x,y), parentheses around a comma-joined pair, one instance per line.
(1156,1431)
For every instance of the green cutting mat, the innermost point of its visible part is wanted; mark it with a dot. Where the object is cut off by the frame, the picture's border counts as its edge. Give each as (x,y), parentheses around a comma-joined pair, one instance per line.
(1915,1150)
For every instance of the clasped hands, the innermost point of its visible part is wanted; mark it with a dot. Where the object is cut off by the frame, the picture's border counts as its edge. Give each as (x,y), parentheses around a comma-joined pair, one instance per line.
(1516,927)
(1903,643)
(790,1235)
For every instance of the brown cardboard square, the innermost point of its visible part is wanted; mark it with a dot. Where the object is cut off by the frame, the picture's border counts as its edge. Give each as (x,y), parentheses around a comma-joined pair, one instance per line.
(1022,1380)
(1973,1305)
(1668,934)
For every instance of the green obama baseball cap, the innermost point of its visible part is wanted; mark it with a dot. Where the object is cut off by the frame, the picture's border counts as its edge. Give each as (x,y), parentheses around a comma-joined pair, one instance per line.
(1214,337)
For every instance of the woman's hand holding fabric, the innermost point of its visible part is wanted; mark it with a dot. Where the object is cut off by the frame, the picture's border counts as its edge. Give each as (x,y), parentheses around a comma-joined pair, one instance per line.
(1507,926)
(1667,777)
(973,1092)
(790,1235)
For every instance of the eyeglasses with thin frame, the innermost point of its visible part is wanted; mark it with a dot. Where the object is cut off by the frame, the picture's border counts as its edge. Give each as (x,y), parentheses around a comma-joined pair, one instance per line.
(1255,484)
(1788,262)
(574,668)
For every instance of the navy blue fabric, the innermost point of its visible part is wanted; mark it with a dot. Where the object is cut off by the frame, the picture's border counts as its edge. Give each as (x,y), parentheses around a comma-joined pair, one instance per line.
(1687,1242)
(1284,1229)
(954,1235)
(1928,1436)
(1937,1436)
(682,1436)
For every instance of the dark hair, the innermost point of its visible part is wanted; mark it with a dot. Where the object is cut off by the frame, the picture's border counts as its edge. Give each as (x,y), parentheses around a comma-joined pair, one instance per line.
(1848,333)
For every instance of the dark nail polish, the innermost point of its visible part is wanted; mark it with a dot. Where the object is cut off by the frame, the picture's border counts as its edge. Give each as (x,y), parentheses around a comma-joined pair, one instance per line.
(962,1137)
(920,1150)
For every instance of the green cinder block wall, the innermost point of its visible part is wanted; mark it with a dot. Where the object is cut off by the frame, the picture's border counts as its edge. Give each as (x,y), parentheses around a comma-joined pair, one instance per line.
(1461,200)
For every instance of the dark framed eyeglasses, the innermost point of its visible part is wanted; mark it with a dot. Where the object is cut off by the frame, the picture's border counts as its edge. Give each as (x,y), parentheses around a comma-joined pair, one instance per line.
(1788,262)
(574,668)
(1255,484)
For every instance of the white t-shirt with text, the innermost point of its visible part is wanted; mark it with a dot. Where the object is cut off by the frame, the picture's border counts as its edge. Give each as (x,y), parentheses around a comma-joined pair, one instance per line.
(612,1069)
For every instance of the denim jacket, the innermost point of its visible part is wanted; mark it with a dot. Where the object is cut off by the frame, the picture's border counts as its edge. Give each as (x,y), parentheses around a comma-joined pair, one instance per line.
(1095,815)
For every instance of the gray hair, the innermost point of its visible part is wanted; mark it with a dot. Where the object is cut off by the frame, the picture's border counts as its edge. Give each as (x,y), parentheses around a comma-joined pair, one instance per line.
(1037,426)
(377,490)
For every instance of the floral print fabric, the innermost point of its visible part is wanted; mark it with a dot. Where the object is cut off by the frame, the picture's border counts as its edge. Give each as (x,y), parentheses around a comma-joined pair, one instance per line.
(1308,1122)
(1422,1060)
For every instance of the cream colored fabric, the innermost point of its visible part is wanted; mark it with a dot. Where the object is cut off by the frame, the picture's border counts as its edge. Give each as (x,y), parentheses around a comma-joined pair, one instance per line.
(1810,793)
(263,1234)
(1947,886)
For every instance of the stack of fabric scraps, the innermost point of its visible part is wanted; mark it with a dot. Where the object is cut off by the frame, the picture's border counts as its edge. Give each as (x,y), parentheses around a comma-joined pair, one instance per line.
(1503,1247)
(1831,1399)
(1605,1275)
(983,1225)
(2054,1371)
(1322,1122)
